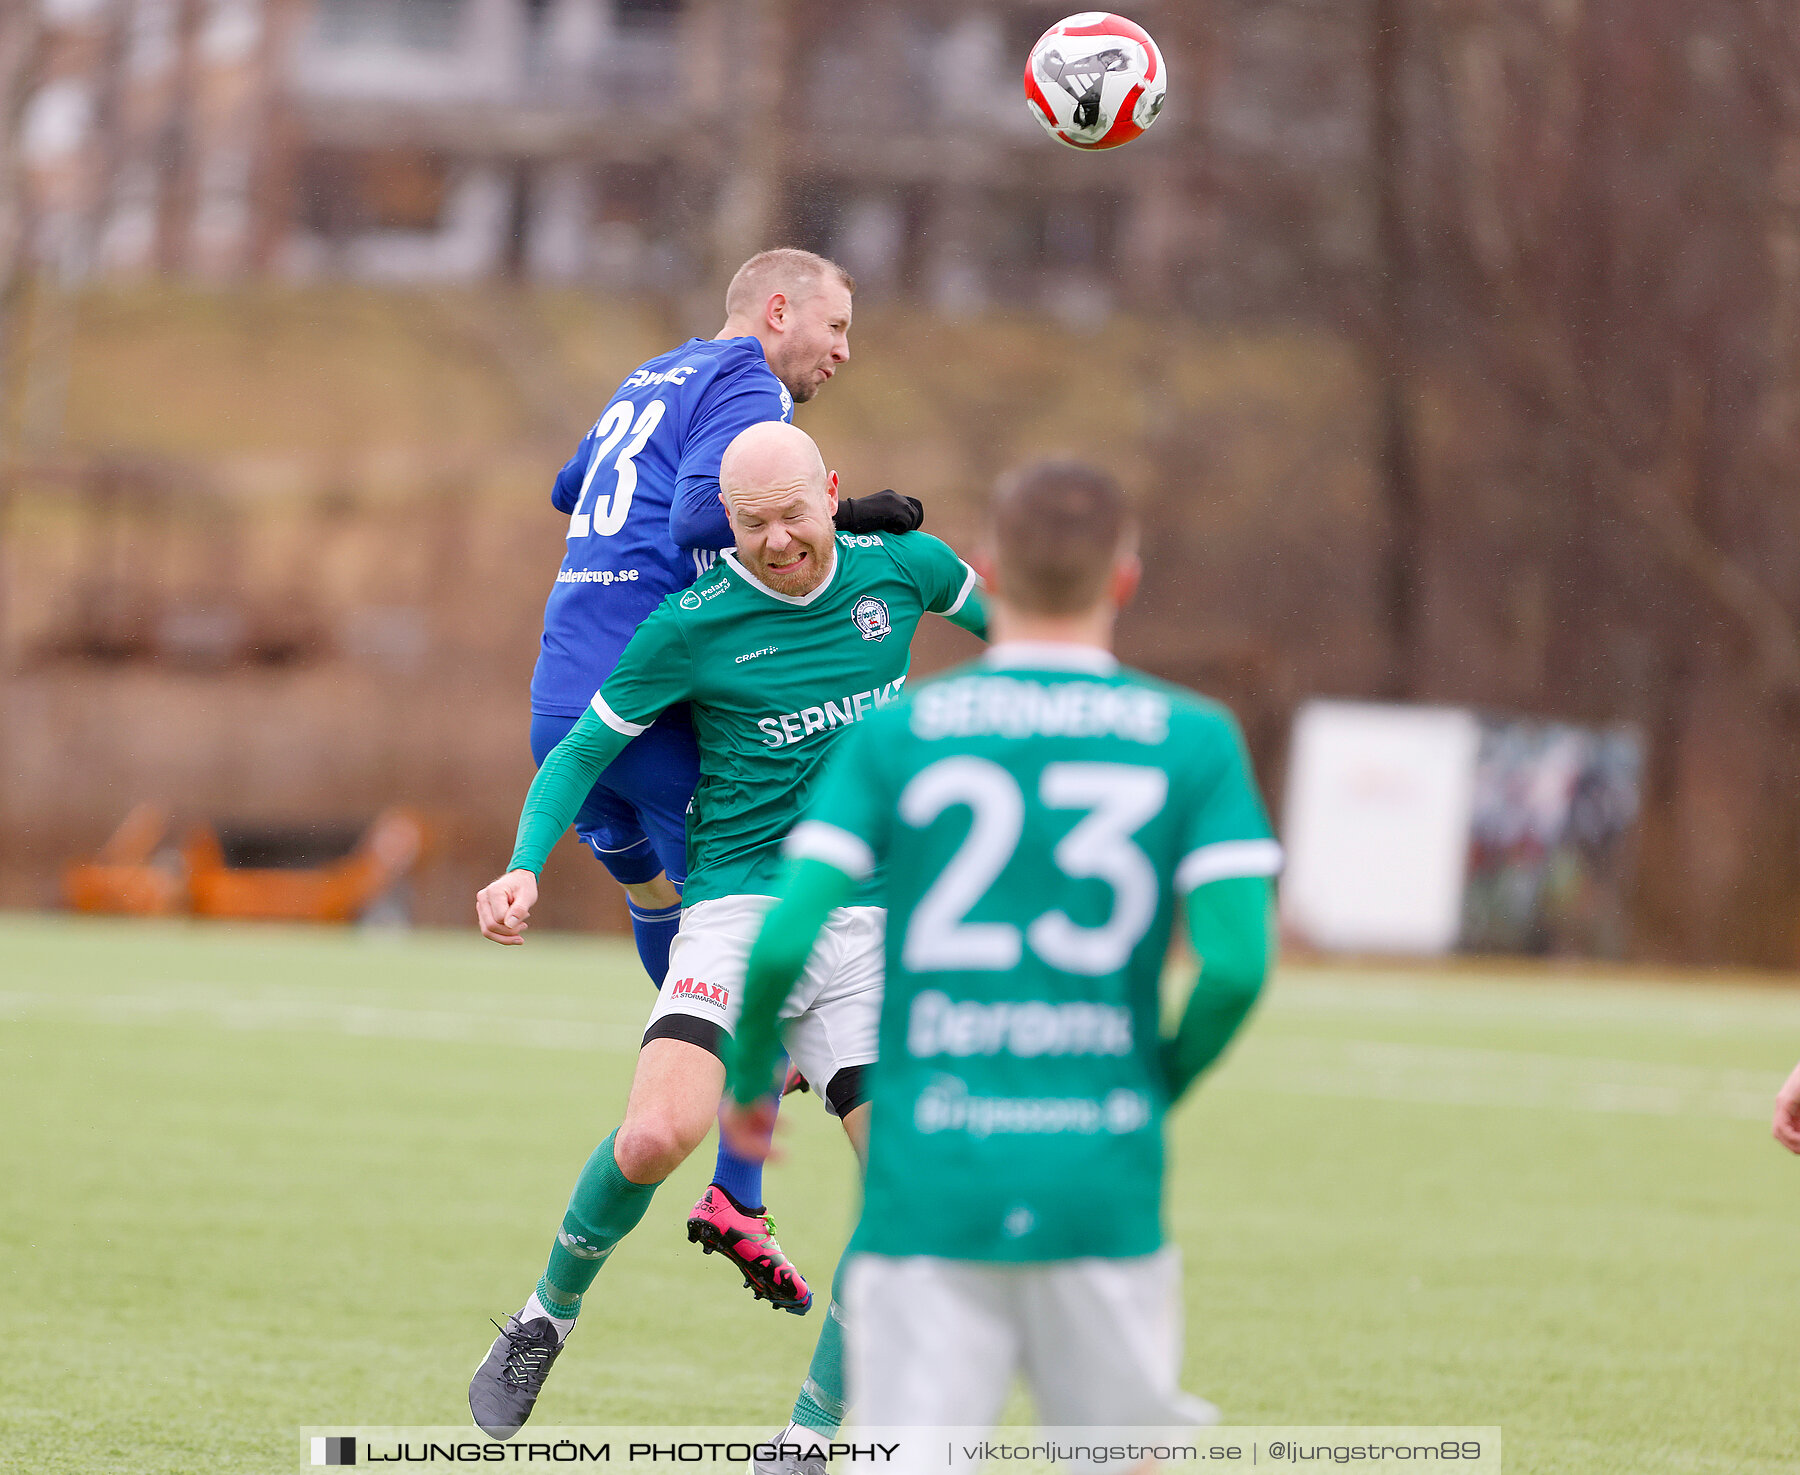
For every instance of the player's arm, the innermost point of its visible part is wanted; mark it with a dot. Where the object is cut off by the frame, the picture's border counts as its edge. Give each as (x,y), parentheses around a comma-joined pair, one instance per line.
(830,859)
(947,586)
(1229,924)
(566,491)
(653,673)
(951,588)
(812,889)
(1225,877)
(551,803)
(696,515)
(971,614)
(885,511)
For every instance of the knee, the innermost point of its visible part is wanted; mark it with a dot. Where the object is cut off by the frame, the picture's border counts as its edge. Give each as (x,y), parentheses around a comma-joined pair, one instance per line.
(657,894)
(647,1151)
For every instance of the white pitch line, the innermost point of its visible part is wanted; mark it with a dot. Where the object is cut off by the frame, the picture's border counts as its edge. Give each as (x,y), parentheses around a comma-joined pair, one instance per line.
(1707,1010)
(1381,1070)
(446,1026)
(1302,1065)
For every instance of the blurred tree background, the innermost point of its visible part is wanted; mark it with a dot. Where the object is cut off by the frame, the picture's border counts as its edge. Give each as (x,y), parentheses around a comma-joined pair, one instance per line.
(1449,346)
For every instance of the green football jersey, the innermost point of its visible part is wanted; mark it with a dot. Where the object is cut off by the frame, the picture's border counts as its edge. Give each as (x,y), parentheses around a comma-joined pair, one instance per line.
(1034,817)
(775,681)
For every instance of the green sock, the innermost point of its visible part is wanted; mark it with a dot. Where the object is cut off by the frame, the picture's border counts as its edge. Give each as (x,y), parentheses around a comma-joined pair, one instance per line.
(559,1303)
(823,1402)
(604,1208)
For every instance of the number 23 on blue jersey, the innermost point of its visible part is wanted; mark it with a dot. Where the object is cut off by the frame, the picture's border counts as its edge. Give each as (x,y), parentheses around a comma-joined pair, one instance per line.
(605,514)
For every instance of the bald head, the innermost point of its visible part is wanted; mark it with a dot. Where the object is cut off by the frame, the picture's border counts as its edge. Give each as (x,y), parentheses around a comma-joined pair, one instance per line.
(768,460)
(780,500)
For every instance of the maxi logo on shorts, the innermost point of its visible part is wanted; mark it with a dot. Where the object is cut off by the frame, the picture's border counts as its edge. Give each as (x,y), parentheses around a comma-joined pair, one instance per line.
(701,993)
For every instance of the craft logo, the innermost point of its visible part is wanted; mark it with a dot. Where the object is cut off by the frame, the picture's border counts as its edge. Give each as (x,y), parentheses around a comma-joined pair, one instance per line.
(330,1451)
(871,616)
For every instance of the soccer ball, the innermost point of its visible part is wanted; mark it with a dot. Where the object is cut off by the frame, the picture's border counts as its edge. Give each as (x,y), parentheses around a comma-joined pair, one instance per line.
(1095,80)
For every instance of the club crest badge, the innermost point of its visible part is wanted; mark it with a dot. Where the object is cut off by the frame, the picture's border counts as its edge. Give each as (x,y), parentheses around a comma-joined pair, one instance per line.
(871,616)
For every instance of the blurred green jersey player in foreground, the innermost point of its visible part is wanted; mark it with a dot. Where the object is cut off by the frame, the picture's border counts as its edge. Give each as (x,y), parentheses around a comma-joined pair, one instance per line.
(796,639)
(1033,818)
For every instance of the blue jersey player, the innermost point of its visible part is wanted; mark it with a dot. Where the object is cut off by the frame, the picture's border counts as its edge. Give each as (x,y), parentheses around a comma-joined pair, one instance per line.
(642,498)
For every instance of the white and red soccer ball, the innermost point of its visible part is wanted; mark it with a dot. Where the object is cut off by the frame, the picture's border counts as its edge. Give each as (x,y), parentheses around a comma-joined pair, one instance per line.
(1095,80)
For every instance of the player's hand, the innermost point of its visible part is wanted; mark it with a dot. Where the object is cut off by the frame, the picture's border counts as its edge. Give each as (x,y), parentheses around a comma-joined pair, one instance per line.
(749,1131)
(502,906)
(879,512)
(1787,1113)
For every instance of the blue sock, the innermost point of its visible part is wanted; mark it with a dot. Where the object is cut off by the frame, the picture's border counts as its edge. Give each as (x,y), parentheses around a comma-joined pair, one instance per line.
(654,932)
(740,1177)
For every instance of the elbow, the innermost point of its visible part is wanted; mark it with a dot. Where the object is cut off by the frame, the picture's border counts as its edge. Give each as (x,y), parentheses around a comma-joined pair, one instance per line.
(697,520)
(1239,988)
(689,531)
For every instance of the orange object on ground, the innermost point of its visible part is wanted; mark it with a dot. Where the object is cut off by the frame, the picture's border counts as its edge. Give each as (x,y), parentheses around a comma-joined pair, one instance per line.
(128,878)
(123,877)
(336,892)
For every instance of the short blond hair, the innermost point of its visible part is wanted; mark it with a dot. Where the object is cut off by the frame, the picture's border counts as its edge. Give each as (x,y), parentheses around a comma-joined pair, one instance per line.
(786,269)
(1055,529)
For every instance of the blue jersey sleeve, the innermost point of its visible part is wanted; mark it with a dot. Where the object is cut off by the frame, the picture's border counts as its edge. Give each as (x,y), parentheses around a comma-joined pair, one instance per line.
(568,480)
(696,516)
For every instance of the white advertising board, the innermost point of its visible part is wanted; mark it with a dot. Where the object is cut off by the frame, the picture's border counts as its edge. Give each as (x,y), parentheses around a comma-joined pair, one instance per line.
(1376,826)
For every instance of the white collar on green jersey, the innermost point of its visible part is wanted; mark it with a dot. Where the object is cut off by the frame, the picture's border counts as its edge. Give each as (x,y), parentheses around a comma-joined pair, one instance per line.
(1050,655)
(730,557)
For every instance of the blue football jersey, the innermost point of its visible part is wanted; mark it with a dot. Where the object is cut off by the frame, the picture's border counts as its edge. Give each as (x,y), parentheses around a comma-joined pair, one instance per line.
(642,494)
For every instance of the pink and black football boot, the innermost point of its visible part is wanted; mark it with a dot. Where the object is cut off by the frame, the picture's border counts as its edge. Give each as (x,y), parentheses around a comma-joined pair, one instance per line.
(747,1239)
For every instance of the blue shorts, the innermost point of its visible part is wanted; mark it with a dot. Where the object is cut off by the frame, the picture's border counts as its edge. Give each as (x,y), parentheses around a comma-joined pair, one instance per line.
(635,817)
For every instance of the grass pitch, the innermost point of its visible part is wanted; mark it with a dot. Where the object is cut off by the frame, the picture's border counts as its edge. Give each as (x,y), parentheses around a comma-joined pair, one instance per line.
(256,1179)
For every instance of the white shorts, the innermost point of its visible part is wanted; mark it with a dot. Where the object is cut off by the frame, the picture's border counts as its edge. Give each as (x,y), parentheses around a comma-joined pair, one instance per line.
(829,1022)
(938,1342)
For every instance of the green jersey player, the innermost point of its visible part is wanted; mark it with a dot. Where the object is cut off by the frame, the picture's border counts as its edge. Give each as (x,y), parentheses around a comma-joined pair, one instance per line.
(799,637)
(1033,820)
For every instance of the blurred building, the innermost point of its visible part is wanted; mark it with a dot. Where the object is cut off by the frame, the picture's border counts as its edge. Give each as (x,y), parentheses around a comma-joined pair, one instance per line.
(625,143)
(151,135)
